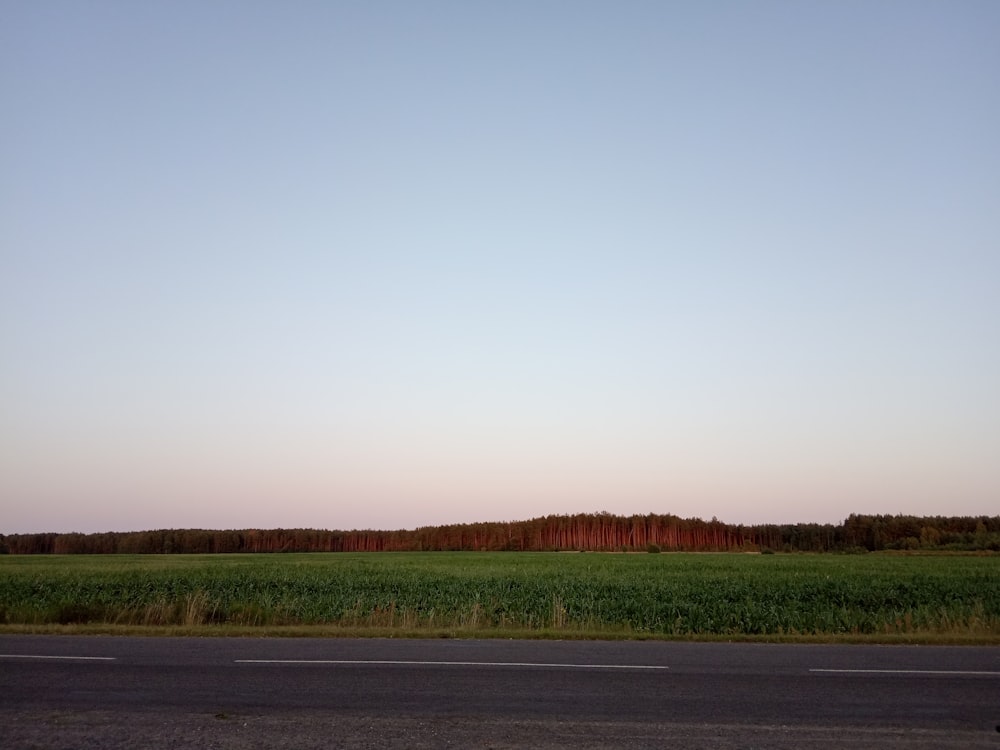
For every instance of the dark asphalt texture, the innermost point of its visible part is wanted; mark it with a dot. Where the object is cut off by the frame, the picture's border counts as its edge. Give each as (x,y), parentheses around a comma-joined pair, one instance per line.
(190,692)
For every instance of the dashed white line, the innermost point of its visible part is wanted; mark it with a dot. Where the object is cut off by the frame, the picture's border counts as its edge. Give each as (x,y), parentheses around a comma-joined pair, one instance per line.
(910,671)
(58,658)
(450,663)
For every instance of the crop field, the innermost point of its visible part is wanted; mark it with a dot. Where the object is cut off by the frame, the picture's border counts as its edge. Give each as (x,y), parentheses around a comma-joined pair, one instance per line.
(495,594)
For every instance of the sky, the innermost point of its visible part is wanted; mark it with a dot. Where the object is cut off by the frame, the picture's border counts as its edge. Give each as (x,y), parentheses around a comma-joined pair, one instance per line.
(397,264)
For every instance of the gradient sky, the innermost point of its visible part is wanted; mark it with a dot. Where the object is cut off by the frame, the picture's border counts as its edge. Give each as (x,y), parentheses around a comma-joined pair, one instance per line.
(393,264)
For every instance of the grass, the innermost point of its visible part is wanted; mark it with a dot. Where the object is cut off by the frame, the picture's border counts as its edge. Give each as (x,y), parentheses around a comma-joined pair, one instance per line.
(544,595)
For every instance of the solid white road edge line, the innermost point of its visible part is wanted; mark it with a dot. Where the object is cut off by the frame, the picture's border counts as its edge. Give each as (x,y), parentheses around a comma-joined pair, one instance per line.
(908,671)
(63,658)
(448,663)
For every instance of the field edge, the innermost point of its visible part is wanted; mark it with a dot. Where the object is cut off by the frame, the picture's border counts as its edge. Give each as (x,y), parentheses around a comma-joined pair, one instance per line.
(333,632)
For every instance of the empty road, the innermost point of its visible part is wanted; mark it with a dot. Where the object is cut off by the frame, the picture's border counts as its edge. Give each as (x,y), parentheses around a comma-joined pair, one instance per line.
(108,692)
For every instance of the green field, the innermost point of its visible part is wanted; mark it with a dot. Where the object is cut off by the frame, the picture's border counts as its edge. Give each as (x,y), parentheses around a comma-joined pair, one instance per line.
(886,597)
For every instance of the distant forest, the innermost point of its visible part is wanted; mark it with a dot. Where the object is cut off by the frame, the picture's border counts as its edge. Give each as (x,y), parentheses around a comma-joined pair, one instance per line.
(598,532)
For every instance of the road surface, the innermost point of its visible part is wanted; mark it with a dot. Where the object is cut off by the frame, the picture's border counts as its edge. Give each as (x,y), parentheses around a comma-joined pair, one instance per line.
(111,692)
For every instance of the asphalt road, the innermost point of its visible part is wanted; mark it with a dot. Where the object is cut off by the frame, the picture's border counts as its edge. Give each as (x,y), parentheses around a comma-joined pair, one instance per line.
(108,692)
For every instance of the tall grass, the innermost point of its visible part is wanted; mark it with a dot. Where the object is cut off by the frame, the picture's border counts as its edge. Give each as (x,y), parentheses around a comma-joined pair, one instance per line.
(674,595)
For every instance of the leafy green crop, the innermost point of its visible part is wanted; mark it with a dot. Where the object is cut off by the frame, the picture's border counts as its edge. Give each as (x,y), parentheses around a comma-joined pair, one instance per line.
(676,594)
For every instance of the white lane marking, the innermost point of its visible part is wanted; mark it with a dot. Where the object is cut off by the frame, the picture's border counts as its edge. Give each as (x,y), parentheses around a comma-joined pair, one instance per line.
(449,663)
(908,671)
(63,658)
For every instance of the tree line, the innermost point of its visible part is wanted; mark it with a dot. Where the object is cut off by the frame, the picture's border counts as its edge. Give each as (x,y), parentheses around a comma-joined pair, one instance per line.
(581,532)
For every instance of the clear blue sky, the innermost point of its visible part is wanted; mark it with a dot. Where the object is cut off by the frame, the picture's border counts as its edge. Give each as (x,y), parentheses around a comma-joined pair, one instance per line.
(392,264)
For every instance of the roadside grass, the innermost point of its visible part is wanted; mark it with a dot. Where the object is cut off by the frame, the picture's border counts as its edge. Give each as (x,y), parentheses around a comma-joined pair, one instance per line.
(711,597)
(327,631)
